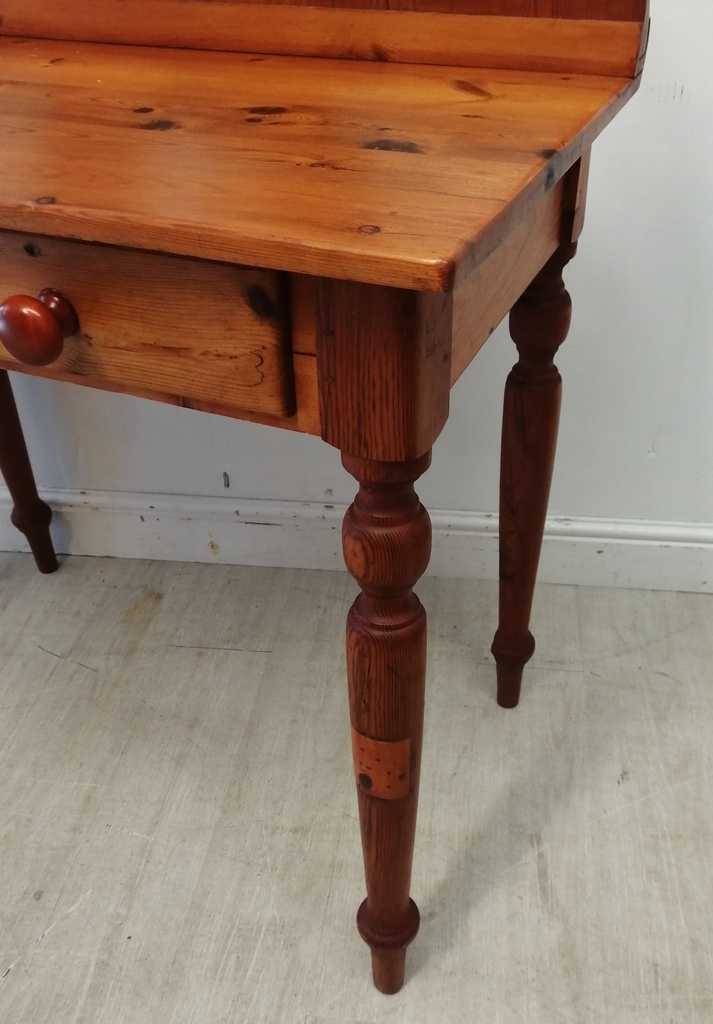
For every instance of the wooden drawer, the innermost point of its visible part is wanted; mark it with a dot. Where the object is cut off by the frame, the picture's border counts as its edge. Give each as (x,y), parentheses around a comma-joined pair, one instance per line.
(207,332)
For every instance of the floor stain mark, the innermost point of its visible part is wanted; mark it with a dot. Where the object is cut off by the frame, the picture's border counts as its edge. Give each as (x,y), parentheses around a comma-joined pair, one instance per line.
(146,605)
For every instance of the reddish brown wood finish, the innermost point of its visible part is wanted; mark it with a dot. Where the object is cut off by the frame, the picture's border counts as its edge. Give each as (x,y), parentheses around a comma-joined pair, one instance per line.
(299,181)
(614,10)
(373,342)
(539,323)
(384,342)
(30,514)
(599,37)
(33,330)
(387,545)
(600,10)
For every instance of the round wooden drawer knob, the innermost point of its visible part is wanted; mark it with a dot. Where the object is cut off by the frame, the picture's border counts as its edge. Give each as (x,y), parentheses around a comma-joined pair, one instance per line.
(33,330)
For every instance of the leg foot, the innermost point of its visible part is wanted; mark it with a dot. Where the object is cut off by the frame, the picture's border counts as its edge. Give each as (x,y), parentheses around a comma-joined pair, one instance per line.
(34,521)
(387,544)
(539,323)
(388,968)
(30,514)
(510,666)
(388,952)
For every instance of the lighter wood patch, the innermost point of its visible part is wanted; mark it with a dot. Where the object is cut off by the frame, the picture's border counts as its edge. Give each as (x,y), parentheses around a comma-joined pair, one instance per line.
(382,769)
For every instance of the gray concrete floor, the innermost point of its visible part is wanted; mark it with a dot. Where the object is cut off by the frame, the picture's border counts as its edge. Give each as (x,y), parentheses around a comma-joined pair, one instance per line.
(178,834)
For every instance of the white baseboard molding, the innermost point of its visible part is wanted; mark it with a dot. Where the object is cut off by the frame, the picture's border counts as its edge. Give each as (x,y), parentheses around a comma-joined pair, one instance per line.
(588,552)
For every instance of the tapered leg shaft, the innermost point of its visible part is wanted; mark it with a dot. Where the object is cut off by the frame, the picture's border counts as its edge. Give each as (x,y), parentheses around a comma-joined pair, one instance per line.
(539,323)
(30,514)
(387,545)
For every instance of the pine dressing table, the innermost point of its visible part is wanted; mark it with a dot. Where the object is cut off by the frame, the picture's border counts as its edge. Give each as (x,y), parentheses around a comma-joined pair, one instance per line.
(313,215)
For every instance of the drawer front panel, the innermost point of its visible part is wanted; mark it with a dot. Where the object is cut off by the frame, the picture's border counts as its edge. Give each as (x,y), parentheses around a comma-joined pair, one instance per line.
(198,330)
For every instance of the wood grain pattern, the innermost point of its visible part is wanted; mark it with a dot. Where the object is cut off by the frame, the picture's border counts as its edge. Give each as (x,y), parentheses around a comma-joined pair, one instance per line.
(198,330)
(30,515)
(303,305)
(391,175)
(576,184)
(379,183)
(556,44)
(604,10)
(383,359)
(489,293)
(387,545)
(305,420)
(610,10)
(539,323)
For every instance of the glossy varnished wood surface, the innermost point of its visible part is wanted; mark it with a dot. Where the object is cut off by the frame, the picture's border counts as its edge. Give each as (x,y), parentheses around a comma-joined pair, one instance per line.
(486,297)
(618,10)
(386,540)
(193,329)
(423,34)
(389,174)
(539,323)
(489,293)
(41,12)
(377,182)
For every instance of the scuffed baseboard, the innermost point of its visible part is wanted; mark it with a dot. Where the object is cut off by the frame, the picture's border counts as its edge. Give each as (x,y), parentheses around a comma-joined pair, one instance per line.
(589,552)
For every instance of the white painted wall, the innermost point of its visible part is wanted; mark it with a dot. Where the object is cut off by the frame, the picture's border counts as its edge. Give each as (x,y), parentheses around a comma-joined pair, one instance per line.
(634,476)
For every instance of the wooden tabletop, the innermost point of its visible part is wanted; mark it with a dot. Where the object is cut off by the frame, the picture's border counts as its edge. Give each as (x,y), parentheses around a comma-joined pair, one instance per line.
(395,174)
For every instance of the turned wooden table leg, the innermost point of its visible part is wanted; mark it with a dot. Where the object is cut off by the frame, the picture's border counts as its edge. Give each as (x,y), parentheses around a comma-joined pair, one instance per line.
(30,514)
(539,323)
(383,361)
(387,545)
